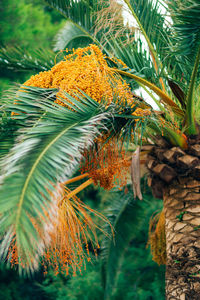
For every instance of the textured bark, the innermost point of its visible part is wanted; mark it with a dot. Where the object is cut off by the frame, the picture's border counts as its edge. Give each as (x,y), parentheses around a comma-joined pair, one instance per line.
(182,214)
(175,178)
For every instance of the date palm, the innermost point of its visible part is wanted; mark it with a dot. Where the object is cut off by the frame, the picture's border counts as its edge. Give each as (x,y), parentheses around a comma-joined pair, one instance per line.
(163,59)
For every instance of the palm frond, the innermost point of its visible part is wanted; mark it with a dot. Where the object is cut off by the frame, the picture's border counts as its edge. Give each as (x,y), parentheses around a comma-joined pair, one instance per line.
(41,156)
(8,129)
(71,36)
(165,98)
(81,15)
(184,40)
(186,45)
(152,25)
(18,59)
(135,56)
(186,26)
(190,99)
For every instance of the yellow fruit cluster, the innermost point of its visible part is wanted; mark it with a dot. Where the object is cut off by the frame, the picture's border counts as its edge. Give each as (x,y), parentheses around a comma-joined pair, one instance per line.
(86,69)
(108,166)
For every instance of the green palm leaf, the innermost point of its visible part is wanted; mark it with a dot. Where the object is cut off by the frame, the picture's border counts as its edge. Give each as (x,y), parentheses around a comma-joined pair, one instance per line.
(186,27)
(21,60)
(81,24)
(8,128)
(135,57)
(184,41)
(42,155)
(71,36)
(186,34)
(148,16)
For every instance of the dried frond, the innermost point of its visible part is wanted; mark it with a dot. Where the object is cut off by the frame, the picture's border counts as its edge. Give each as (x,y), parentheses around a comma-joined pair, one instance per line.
(157,238)
(109,22)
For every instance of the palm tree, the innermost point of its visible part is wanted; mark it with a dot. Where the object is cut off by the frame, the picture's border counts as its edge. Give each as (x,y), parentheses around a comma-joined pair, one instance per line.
(162,59)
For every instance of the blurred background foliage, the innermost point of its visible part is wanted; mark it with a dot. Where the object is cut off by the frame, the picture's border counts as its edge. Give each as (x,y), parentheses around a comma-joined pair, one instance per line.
(31,23)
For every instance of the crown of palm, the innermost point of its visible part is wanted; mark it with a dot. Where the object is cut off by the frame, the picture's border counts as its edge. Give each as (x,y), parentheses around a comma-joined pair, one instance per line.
(166,67)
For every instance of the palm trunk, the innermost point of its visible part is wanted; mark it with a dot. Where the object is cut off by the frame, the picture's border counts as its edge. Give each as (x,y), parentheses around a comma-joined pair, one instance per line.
(175,178)
(182,214)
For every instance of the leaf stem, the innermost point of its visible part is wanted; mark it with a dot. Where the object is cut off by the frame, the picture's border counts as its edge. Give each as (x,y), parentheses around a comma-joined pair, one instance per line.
(27,181)
(190,116)
(74,179)
(166,99)
(79,188)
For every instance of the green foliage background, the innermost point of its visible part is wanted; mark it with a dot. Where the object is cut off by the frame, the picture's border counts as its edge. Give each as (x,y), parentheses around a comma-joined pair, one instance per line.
(32,24)
(29,25)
